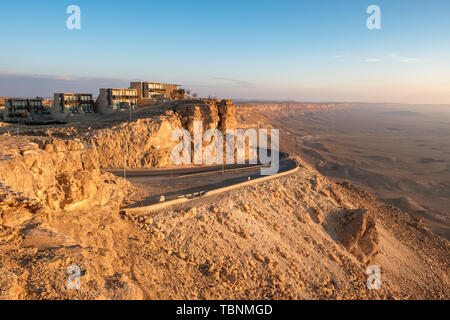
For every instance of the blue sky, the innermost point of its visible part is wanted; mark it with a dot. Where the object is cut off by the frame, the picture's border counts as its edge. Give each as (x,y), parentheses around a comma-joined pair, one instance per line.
(300,50)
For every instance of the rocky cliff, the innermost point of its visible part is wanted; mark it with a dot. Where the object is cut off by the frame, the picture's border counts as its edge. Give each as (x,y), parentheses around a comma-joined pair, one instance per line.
(55,174)
(146,141)
(65,173)
(301,236)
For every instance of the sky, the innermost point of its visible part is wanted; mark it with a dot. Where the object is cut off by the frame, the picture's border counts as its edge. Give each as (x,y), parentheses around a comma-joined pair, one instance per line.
(241,49)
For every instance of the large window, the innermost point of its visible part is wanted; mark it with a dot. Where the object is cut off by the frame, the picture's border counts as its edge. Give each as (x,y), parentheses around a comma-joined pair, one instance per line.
(87,108)
(154,86)
(20,105)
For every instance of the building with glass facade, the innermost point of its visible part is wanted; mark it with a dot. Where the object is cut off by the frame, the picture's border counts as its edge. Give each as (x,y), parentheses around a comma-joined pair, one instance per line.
(154,90)
(70,104)
(114,99)
(22,109)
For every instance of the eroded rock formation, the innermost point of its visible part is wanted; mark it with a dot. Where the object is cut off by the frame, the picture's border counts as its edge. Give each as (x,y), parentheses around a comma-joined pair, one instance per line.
(357,232)
(55,174)
(144,143)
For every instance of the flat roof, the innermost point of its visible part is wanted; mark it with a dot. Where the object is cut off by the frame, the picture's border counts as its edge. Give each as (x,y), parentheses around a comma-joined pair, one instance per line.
(87,94)
(171,84)
(24,99)
(117,89)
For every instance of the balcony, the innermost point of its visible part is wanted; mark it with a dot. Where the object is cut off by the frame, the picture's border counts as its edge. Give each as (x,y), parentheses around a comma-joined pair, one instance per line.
(124,97)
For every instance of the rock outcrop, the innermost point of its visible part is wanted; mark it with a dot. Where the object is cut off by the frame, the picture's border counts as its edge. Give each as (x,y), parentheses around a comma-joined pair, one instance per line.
(55,174)
(144,143)
(227,111)
(206,112)
(358,234)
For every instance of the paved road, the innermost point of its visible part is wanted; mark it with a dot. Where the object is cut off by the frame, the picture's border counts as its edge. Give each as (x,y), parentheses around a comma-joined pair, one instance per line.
(189,182)
(179,172)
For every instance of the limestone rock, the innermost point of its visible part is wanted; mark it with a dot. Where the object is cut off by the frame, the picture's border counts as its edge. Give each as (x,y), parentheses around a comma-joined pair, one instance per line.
(357,231)
(318,216)
(52,173)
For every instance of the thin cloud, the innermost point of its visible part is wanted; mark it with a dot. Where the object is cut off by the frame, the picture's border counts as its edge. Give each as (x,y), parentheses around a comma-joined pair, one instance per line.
(394,57)
(407,60)
(240,83)
(6,72)
(372,60)
(403,59)
(341,56)
(31,85)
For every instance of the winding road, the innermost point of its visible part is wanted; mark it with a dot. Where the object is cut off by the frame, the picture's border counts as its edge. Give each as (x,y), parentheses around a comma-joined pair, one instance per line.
(160,185)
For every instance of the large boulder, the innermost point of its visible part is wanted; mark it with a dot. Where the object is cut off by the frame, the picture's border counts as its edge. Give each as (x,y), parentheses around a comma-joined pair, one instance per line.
(356,230)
